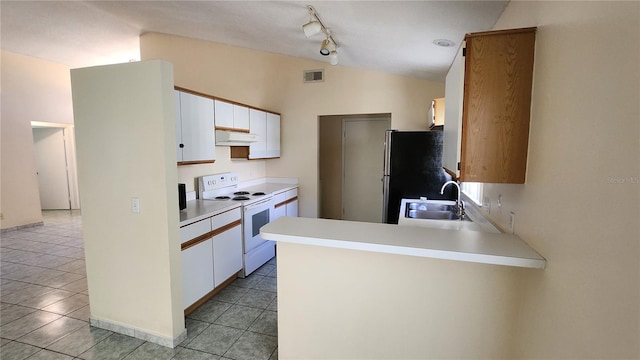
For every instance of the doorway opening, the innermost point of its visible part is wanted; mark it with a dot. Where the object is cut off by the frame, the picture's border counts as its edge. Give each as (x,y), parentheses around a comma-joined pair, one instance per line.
(351,152)
(54,145)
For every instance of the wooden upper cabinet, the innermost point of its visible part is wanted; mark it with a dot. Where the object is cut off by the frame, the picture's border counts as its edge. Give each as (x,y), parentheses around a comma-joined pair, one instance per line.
(496,105)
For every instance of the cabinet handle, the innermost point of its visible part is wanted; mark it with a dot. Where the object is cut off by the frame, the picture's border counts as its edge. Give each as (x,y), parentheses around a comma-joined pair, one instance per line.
(181,146)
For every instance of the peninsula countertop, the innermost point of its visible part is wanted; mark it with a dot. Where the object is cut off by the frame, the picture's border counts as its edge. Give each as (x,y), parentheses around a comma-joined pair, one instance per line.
(458,245)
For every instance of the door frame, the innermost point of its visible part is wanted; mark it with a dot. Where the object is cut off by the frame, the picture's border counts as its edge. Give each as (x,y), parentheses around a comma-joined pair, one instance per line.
(70,155)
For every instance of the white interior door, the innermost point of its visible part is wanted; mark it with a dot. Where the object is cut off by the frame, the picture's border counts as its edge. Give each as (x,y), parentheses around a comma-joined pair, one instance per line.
(51,165)
(363,150)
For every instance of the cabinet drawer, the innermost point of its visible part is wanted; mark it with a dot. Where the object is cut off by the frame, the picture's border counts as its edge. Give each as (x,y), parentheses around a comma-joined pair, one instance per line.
(225,218)
(292,193)
(280,198)
(194,230)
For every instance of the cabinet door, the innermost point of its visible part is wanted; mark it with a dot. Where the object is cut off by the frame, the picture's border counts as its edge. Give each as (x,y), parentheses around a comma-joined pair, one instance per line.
(258,126)
(454,87)
(279,212)
(240,117)
(497,106)
(197,272)
(273,135)
(292,208)
(197,128)
(438,110)
(223,114)
(176,98)
(227,254)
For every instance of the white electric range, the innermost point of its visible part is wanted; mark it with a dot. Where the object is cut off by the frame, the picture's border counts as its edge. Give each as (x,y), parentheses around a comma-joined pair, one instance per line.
(257,211)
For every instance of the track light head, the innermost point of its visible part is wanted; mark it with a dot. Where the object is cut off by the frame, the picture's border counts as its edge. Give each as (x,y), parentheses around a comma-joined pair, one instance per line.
(324,48)
(333,58)
(311,28)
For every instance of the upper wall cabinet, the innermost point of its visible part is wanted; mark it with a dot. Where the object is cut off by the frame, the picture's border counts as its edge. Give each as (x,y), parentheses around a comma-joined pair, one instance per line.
(273,135)
(488,101)
(195,138)
(267,127)
(230,116)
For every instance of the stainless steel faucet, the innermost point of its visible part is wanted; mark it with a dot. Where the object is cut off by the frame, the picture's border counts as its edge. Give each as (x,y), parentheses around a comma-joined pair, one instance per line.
(459,204)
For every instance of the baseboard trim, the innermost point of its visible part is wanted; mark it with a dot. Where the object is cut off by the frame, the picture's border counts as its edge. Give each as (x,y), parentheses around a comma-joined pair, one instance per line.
(20,227)
(138,333)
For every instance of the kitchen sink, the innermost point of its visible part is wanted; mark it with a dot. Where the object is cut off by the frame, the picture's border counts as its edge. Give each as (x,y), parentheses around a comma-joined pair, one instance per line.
(432,210)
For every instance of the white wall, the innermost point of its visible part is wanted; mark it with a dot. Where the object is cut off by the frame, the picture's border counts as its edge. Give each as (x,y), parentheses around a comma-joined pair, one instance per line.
(274,82)
(580,205)
(32,90)
(125,134)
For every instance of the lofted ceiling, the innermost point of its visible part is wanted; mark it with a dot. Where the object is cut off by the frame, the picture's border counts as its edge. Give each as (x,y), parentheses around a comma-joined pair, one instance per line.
(389,36)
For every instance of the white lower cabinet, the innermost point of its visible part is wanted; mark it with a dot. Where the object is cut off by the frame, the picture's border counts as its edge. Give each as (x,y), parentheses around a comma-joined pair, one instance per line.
(227,254)
(197,272)
(286,203)
(211,254)
(292,208)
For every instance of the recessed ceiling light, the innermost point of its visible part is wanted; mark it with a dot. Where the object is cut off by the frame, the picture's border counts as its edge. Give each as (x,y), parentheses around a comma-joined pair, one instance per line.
(443,42)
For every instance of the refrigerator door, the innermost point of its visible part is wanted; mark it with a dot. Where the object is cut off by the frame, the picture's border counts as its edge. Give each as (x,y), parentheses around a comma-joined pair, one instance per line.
(415,170)
(385,198)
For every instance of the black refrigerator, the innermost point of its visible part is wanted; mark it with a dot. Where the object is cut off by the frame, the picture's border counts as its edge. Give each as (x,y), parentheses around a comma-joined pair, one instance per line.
(412,169)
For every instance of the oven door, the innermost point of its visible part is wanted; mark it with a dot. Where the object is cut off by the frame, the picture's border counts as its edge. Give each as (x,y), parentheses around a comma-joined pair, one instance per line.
(256,216)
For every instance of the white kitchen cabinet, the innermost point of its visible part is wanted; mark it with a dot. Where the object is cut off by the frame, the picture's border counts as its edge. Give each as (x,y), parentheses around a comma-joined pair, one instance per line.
(227,254)
(267,127)
(230,116)
(273,135)
(211,254)
(286,203)
(258,126)
(195,133)
(292,208)
(197,272)
(227,245)
(223,114)
(240,117)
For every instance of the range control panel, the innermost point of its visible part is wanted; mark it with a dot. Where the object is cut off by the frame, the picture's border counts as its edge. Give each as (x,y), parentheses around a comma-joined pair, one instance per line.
(217,181)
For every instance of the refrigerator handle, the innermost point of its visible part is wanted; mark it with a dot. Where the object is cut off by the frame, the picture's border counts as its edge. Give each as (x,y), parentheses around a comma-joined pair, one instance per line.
(385,198)
(387,153)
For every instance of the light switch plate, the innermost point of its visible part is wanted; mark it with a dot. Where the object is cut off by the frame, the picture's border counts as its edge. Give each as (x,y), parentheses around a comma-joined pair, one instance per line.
(135,205)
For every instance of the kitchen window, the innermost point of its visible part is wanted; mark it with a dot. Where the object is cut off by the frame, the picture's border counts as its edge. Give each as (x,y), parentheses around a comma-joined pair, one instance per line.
(473,190)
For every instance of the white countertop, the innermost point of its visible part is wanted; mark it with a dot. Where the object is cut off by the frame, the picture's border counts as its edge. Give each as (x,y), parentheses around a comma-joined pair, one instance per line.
(460,245)
(199,209)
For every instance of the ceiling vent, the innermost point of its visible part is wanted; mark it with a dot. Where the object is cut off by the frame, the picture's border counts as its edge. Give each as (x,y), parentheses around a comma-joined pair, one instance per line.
(313,76)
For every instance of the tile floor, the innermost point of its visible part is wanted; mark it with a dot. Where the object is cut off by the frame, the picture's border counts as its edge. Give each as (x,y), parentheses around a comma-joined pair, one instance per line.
(44,311)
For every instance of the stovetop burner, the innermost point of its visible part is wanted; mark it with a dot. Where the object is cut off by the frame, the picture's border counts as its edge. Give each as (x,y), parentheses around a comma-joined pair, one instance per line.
(258,193)
(222,198)
(241,193)
(241,197)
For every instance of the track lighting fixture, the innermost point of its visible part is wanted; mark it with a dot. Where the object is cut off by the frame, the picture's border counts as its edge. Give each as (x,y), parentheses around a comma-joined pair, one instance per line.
(312,27)
(329,46)
(324,47)
(333,58)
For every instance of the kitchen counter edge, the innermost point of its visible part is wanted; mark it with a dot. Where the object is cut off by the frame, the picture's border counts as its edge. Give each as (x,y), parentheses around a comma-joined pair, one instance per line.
(457,245)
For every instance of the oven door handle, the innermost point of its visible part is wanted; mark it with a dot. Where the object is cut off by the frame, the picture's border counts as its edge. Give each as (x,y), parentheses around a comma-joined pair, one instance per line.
(260,204)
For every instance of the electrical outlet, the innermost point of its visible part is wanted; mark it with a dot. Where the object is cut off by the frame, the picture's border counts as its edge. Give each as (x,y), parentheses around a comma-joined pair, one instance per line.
(135,205)
(512,221)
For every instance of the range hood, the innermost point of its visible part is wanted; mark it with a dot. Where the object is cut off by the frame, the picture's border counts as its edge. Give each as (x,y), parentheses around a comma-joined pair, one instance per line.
(234,138)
